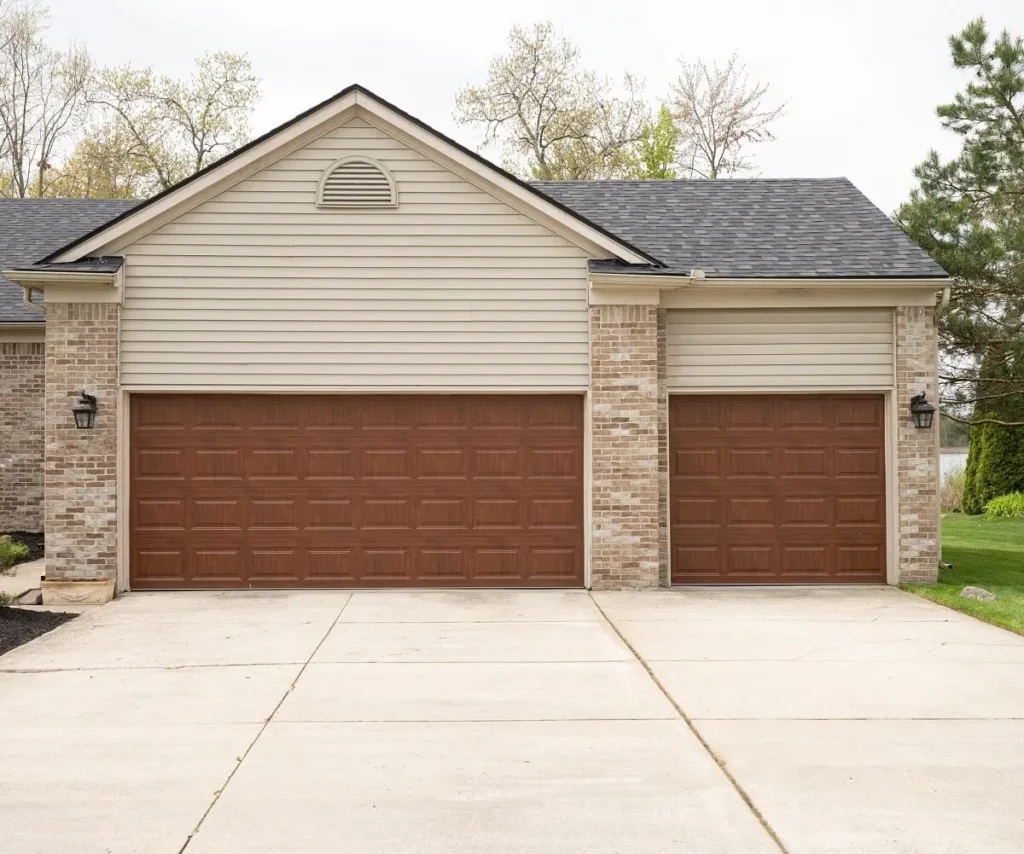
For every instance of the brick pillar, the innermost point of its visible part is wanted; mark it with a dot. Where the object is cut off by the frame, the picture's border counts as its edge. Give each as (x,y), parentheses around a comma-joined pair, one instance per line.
(664,562)
(21,435)
(917,450)
(81,465)
(625,431)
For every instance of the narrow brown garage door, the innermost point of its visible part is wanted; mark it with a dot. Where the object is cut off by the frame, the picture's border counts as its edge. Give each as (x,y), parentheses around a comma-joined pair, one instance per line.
(777,489)
(356,491)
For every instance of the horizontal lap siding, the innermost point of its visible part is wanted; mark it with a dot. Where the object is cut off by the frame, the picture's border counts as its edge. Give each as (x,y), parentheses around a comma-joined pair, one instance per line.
(774,349)
(258,287)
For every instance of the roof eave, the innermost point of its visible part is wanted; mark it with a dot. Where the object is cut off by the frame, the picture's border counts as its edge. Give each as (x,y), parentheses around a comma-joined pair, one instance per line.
(669,281)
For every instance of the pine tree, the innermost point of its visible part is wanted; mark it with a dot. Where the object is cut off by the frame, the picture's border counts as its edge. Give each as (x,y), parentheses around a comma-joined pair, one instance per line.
(995,459)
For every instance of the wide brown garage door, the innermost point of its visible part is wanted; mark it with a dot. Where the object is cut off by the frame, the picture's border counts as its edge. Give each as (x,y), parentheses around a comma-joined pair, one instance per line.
(354,491)
(777,489)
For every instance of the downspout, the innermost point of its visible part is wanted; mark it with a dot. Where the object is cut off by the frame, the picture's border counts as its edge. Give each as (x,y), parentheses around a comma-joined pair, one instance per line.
(944,302)
(26,293)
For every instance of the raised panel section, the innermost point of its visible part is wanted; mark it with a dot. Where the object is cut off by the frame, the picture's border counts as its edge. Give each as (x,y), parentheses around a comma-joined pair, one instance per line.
(777,488)
(774,349)
(351,490)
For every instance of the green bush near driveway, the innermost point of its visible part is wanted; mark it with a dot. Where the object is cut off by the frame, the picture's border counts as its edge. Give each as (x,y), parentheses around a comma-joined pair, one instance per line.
(10,553)
(984,552)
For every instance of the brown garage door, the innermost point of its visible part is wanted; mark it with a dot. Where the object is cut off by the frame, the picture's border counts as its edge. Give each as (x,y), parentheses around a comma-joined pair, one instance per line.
(356,491)
(777,489)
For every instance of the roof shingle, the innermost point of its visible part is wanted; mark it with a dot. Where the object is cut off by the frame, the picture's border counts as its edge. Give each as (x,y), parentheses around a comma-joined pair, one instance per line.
(32,228)
(751,228)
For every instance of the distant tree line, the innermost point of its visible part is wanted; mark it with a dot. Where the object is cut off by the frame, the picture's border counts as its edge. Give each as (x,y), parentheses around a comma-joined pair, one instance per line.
(554,119)
(70,128)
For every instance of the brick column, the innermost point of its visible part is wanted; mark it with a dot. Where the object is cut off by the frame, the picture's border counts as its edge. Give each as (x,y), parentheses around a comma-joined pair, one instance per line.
(917,450)
(625,432)
(21,435)
(81,465)
(664,562)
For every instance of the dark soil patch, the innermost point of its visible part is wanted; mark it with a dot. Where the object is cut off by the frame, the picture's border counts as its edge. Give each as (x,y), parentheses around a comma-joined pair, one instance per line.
(35,543)
(18,626)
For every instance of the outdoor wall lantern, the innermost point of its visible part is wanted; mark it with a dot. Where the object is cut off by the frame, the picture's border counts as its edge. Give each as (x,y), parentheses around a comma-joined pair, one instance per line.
(922,411)
(85,411)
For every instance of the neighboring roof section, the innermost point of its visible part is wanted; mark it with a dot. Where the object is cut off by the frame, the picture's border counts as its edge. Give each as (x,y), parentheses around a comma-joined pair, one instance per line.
(749,228)
(32,228)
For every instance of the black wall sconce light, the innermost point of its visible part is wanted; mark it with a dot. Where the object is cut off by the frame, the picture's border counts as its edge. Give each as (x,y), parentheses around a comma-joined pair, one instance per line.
(85,411)
(922,411)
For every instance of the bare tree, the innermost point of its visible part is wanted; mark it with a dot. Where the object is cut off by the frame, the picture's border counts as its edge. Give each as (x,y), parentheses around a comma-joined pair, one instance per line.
(178,127)
(552,118)
(719,113)
(42,98)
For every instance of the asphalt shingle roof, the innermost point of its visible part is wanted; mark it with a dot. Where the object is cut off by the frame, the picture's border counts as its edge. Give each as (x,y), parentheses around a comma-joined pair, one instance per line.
(747,228)
(751,228)
(30,229)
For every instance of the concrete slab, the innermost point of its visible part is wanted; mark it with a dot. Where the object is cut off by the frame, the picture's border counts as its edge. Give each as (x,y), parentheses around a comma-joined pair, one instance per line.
(844,689)
(822,640)
(478,788)
(468,606)
(140,697)
(202,605)
(717,604)
(34,570)
(111,790)
(524,641)
(15,587)
(130,633)
(877,787)
(475,692)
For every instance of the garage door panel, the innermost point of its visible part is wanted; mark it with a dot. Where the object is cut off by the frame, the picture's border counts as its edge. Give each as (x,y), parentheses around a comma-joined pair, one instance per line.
(779,489)
(341,491)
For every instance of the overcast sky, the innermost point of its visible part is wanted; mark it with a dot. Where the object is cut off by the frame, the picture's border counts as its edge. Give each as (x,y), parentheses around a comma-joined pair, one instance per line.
(862,78)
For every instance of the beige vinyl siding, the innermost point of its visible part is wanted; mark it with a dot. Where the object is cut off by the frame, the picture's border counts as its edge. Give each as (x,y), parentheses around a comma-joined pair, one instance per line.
(779,349)
(257,287)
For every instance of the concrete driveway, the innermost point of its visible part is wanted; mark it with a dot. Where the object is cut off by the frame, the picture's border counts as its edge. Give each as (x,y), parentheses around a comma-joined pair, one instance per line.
(822,721)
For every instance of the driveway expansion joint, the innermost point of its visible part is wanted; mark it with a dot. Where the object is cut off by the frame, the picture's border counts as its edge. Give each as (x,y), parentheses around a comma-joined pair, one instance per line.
(240,759)
(718,760)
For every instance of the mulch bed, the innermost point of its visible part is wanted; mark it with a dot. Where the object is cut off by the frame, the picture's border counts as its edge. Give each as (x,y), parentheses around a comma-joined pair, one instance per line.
(36,546)
(18,626)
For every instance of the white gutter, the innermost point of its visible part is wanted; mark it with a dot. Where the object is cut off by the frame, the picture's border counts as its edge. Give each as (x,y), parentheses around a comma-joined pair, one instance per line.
(697,278)
(38,279)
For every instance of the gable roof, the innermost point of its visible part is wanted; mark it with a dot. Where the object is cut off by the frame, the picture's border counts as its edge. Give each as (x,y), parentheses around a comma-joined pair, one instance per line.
(31,228)
(750,228)
(350,96)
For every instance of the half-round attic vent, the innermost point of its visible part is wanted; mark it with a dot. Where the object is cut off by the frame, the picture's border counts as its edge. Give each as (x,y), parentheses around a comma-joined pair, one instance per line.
(356,182)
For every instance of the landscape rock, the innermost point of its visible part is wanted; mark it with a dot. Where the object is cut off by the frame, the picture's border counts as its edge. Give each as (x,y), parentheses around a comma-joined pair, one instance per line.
(979,593)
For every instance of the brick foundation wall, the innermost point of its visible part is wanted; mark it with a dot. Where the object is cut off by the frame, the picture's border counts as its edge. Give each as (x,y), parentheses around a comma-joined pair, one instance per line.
(626,550)
(917,450)
(81,465)
(22,372)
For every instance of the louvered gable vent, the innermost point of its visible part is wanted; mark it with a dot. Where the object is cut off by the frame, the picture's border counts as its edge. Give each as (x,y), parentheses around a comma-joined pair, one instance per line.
(357,182)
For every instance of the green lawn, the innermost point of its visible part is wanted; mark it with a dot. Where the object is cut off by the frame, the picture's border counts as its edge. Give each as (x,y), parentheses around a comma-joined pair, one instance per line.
(987,553)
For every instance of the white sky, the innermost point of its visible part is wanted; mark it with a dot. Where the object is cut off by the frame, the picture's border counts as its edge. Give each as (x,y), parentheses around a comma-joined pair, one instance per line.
(862,77)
